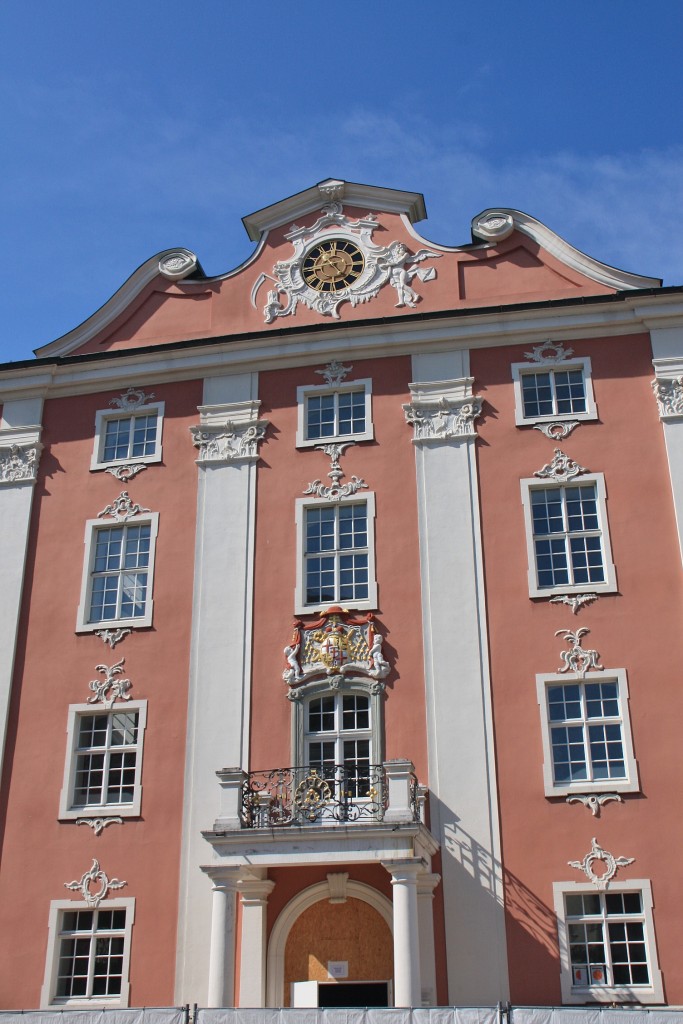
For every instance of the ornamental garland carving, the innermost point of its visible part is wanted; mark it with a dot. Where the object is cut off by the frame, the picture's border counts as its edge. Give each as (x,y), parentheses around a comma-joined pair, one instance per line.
(561,468)
(230,442)
(95,877)
(336,490)
(390,264)
(122,509)
(19,462)
(612,865)
(442,420)
(576,659)
(669,395)
(109,689)
(335,646)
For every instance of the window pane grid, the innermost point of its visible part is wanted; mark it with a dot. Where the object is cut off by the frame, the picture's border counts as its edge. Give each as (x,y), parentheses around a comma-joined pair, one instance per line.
(335,415)
(336,559)
(606,933)
(553,392)
(105,774)
(130,437)
(567,536)
(586,732)
(91,953)
(346,720)
(120,577)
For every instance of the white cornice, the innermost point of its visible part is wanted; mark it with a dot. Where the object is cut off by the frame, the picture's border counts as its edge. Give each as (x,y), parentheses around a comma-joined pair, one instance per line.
(494,225)
(171,265)
(352,341)
(367,197)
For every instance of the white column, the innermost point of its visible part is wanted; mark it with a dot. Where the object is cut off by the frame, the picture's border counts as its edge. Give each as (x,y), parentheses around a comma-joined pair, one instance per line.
(426,884)
(19,457)
(221,987)
(226,450)
(462,777)
(407,988)
(254,893)
(667,348)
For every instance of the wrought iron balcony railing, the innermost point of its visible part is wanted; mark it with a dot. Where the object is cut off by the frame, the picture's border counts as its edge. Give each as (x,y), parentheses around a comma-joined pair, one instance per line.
(334,793)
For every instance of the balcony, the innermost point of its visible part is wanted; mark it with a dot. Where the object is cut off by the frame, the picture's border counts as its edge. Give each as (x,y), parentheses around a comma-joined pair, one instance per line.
(324,794)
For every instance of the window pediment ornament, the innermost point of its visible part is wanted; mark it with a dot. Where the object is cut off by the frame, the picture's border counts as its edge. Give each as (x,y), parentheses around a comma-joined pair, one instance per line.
(94,877)
(132,399)
(550,352)
(612,865)
(336,490)
(576,659)
(122,508)
(334,373)
(335,646)
(560,468)
(110,688)
(390,264)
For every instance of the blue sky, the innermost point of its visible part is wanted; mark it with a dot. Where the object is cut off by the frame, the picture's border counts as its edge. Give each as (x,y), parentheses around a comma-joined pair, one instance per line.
(133,127)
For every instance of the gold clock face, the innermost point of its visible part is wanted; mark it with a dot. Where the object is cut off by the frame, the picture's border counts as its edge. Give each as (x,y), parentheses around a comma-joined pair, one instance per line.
(332,265)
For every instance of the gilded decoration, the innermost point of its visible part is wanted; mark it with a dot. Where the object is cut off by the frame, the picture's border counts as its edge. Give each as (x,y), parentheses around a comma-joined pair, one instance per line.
(334,646)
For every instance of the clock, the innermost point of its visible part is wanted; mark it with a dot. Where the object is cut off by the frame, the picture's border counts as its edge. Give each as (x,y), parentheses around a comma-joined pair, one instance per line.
(332,265)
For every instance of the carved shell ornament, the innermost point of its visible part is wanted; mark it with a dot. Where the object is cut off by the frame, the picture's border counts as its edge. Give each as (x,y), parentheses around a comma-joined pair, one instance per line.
(335,261)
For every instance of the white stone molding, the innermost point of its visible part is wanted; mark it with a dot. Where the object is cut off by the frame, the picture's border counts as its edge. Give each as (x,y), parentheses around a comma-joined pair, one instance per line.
(112,636)
(335,646)
(109,689)
(94,877)
(576,659)
(98,825)
(334,373)
(338,886)
(549,353)
(442,410)
(132,399)
(669,395)
(122,509)
(177,265)
(19,462)
(126,472)
(593,800)
(561,468)
(574,601)
(391,264)
(612,865)
(557,431)
(229,432)
(336,490)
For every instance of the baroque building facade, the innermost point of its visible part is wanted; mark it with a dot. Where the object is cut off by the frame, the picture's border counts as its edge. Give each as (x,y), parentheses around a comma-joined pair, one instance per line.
(341,601)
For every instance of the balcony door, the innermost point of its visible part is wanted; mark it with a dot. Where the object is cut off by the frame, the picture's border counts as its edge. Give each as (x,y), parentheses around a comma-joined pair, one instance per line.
(338,744)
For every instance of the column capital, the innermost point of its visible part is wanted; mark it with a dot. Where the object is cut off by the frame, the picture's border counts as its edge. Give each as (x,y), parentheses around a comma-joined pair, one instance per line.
(20,450)
(404,872)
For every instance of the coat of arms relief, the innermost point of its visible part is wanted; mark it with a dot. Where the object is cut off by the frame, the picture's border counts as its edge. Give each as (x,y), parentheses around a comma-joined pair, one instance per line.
(335,646)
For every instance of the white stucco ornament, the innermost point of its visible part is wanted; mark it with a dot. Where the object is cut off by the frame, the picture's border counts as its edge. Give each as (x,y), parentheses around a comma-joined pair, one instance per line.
(376,265)
(335,646)
(610,862)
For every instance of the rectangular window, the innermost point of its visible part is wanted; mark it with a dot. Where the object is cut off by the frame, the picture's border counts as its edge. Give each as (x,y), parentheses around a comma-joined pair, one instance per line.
(118,573)
(132,437)
(560,392)
(334,414)
(586,733)
(607,943)
(88,954)
(104,760)
(336,554)
(567,537)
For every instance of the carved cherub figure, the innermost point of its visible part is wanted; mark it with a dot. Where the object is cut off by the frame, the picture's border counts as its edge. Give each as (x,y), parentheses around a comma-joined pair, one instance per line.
(402,267)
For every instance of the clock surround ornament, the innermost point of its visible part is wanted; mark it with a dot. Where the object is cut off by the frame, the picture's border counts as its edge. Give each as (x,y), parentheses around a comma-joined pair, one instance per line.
(335,261)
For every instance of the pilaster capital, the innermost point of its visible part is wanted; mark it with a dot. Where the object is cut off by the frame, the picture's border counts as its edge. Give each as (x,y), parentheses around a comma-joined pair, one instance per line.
(427,883)
(254,892)
(404,872)
(230,432)
(442,410)
(669,394)
(20,450)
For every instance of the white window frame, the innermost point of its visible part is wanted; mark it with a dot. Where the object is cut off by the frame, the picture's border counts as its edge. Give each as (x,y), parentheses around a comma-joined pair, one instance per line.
(519,370)
(83,623)
(630,783)
(653,993)
(609,585)
(68,810)
(301,607)
(48,997)
(106,416)
(319,390)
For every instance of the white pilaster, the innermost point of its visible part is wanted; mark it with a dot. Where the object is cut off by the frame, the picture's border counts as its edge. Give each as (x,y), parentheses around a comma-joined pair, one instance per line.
(426,884)
(254,893)
(226,448)
(667,349)
(462,782)
(407,986)
(221,984)
(19,457)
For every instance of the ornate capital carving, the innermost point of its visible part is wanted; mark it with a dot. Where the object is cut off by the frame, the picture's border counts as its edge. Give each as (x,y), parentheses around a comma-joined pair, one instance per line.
(612,865)
(94,885)
(229,433)
(669,395)
(19,462)
(442,410)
